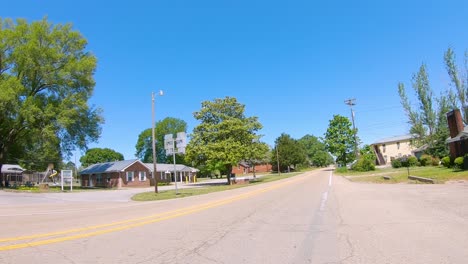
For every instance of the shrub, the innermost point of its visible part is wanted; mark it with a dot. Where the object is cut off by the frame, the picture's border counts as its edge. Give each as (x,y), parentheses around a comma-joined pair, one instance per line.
(458,163)
(342,169)
(396,163)
(436,161)
(412,161)
(425,160)
(446,162)
(365,163)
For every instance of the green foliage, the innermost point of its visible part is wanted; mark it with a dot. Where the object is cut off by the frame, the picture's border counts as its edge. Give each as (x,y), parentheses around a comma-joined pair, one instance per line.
(458,163)
(316,151)
(224,135)
(411,161)
(396,163)
(46,79)
(446,162)
(405,161)
(365,162)
(258,153)
(290,152)
(341,169)
(456,78)
(339,139)
(435,161)
(425,160)
(144,147)
(100,155)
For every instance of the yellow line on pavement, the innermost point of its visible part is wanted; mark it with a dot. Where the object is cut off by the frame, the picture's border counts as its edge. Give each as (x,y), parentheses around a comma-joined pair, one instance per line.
(132,223)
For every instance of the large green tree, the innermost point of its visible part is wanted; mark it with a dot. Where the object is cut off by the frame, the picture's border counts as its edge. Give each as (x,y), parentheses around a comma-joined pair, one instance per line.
(46,79)
(144,147)
(428,121)
(257,153)
(224,135)
(339,139)
(316,151)
(100,155)
(459,81)
(289,152)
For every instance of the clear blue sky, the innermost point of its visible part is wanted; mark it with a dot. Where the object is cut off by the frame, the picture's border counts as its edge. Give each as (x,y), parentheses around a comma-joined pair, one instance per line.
(292,63)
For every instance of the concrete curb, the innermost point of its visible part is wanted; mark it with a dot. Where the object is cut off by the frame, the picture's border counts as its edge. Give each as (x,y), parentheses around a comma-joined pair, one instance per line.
(422,179)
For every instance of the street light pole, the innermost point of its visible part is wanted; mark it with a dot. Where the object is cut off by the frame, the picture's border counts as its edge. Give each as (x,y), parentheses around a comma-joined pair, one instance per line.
(153,124)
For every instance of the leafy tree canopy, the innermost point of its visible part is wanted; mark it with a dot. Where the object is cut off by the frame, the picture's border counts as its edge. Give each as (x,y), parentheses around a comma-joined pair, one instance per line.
(100,155)
(223,136)
(144,147)
(316,151)
(339,139)
(428,120)
(46,79)
(290,152)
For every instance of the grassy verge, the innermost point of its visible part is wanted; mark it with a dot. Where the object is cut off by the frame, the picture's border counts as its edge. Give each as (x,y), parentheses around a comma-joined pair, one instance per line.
(440,174)
(52,189)
(164,195)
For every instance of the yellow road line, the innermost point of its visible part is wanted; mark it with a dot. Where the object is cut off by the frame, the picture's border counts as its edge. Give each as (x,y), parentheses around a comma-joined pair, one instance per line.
(133,222)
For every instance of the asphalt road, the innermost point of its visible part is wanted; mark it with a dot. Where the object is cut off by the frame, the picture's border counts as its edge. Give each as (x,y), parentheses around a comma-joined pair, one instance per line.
(312,218)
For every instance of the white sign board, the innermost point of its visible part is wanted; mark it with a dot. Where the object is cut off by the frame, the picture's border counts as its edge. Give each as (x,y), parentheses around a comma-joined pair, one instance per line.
(67,176)
(175,145)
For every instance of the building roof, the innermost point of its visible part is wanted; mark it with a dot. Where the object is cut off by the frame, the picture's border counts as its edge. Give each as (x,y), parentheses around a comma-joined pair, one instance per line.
(170,167)
(393,139)
(106,167)
(12,168)
(461,136)
(118,166)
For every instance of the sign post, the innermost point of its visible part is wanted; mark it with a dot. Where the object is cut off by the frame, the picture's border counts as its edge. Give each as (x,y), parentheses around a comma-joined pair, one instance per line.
(67,175)
(175,146)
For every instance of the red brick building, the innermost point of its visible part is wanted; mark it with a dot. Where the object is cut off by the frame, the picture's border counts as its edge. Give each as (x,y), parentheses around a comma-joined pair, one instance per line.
(458,141)
(132,173)
(245,168)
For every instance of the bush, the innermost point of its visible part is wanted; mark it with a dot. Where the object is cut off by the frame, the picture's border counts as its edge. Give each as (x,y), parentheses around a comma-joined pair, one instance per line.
(396,163)
(446,162)
(412,161)
(342,169)
(365,163)
(425,160)
(436,161)
(458,163)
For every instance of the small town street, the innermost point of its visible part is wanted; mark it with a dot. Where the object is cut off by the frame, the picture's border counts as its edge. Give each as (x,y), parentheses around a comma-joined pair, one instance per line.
(311,218)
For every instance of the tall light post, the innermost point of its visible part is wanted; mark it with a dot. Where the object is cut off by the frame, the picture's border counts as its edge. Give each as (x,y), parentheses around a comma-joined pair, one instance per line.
(153,124)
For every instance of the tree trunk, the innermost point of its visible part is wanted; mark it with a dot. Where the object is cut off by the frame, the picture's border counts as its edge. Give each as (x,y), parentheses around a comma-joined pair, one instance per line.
(255,176)
(1,175)
(228,174)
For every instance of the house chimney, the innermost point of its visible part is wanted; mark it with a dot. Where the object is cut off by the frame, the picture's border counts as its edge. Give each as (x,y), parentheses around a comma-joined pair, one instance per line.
(455,122)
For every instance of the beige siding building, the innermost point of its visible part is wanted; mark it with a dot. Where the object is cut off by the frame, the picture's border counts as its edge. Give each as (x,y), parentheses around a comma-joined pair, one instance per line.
(394,147)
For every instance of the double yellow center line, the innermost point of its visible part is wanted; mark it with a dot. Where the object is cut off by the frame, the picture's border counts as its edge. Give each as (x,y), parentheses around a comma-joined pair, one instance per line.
(79,233)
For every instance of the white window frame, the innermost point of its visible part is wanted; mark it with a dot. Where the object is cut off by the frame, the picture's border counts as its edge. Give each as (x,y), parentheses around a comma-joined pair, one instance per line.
(132,176)
(140,173)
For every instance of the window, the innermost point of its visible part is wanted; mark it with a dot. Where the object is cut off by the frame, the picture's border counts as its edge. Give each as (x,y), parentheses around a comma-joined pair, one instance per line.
(142,175)
(129,176)
(398,145)
(98,178)
(383,148)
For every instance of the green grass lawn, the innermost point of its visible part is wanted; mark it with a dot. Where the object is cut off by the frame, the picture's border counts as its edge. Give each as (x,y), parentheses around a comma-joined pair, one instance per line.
(164,195)
(440,174)
(52,189)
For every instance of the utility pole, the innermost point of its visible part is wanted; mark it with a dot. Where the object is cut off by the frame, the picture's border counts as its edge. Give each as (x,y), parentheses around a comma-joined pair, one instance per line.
(153,144)
(351,103)
(277,160)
